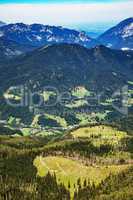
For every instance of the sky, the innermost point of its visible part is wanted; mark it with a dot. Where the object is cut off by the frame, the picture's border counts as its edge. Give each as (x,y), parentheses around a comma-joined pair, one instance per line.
(67,12)
(60,1)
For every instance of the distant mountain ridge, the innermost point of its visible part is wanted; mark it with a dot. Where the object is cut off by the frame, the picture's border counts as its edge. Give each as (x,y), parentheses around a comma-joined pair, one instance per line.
(38,35)
(120,36)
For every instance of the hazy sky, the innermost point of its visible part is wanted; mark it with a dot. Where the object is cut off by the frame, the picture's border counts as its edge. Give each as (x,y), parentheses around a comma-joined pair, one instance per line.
(65,12)
(59,1)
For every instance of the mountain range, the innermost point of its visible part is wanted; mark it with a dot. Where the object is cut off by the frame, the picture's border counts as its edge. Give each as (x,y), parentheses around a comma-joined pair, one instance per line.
(120,36)
(67,67)
(66,113)
(37,35)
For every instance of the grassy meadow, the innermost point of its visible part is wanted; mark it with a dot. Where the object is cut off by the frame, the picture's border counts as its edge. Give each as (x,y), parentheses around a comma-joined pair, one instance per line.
(68,171)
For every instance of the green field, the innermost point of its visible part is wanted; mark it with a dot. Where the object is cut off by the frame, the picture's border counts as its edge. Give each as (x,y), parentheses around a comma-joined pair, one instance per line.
(80,92)
(101,133)
(68,170)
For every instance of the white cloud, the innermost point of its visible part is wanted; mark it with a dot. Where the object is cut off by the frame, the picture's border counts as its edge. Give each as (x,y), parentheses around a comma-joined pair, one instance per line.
(65,13)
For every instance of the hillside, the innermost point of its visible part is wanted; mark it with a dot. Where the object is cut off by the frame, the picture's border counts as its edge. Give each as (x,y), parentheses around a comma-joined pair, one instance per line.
(71,65)
(69,171)
(120,36)
(81,73)
(10,49)
(78,167)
